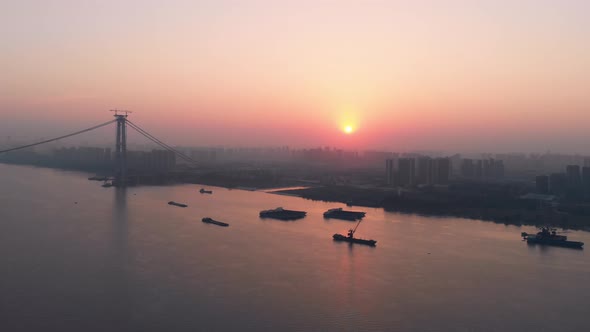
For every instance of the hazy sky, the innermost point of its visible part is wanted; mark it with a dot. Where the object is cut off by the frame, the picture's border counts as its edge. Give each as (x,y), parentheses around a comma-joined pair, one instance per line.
(452,75)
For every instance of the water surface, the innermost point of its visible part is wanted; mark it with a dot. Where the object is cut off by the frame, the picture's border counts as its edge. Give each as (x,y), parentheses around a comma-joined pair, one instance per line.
(79,257)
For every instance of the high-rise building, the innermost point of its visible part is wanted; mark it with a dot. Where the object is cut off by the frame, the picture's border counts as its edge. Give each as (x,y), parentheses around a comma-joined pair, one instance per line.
(483,168)
(574,178)
(478,169)
(441,170)
(542,184)
(499,169)
(467,168)
(424,171)
(557,183)
(390,171)
(406,167)
(586,179)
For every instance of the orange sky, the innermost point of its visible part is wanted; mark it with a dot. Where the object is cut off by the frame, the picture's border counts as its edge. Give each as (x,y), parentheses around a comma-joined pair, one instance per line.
(446,75)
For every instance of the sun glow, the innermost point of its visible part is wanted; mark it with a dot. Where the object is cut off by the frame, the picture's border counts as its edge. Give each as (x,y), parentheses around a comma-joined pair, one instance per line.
(347,117)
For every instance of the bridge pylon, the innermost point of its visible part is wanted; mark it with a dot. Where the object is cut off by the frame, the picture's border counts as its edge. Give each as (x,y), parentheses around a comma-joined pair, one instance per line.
(121,148)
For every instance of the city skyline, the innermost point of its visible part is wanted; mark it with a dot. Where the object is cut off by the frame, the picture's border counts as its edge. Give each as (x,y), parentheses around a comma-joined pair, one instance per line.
(448,76)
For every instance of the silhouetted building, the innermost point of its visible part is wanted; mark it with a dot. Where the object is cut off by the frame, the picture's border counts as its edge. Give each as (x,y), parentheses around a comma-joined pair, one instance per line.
(406,167)
(574,178)
(424,171)
(468,168)
(586,180)
(390,171)
(482,169)
(492,168)
(85,157)
(441,170)
(542,184)
(557,183)
(478,169)
(159,161)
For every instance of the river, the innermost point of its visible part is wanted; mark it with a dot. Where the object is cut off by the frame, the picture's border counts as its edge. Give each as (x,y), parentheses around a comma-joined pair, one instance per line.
(79,257)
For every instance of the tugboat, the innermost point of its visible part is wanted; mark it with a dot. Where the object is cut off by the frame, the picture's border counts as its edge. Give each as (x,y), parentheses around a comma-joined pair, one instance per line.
(214,222)
(98,178)
(177,204)
(338,213)
(351,239)
(203,191)
(282,214)
(549,237)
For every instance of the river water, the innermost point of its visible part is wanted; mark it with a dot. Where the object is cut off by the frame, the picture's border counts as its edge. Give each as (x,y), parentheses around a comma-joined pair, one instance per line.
(79,257)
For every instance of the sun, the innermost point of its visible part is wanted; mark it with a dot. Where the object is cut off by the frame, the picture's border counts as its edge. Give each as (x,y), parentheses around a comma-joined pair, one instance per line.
(348,129)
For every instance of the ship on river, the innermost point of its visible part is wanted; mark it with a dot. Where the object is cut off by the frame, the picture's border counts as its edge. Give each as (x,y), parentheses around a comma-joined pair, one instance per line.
(351,239)
(339,213)
(214,222)
(549,237)
(282,214)
(177,204)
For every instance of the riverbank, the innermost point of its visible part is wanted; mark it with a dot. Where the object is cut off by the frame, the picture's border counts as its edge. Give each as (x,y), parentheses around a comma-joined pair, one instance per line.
(492,205)
(499,203)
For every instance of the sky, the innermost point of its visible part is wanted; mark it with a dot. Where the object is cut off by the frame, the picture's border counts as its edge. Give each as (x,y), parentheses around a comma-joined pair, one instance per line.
(495,76)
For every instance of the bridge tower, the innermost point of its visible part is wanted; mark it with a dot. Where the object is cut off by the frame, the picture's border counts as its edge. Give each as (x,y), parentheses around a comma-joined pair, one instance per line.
(121,148)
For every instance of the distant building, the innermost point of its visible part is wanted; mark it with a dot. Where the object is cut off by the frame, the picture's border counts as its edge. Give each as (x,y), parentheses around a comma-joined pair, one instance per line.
(410,171)
(557,183)
(542,184)
(441,171)
(390,171)
(478,169)
(424,171)
(160,161)
(83,157)
(406,167)
(574,178)
(468,168)
(482,169)
(586,179)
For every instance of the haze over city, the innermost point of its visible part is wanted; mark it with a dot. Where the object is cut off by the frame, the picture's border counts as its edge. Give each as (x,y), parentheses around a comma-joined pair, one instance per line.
(494,76)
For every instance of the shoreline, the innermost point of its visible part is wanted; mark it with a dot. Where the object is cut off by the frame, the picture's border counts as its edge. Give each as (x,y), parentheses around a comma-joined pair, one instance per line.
(419,203)
(382,198)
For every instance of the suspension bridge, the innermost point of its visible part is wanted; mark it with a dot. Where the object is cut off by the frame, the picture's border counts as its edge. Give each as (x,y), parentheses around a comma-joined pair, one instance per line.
(122,121)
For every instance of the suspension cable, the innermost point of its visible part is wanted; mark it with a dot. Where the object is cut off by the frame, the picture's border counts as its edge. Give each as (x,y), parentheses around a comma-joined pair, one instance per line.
(150,136)
(182,156)
(58,138)
(159,142)
(153,138)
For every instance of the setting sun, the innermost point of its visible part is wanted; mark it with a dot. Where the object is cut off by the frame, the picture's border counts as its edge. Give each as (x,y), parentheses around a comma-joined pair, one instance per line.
(348,129)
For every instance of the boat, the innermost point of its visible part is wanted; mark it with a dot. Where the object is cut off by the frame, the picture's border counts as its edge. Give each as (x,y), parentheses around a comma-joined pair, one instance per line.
(214,222)
(351,239)
(203,191)
(549,237)
(177,204)
(339,213)
(340,237)
(282,214)
(98,178)
(107,184)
